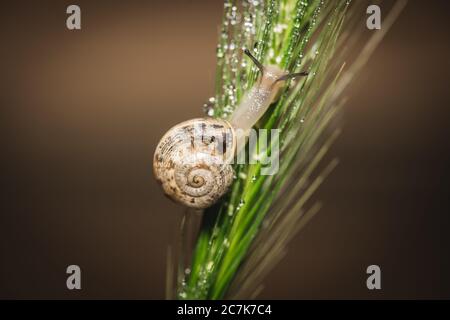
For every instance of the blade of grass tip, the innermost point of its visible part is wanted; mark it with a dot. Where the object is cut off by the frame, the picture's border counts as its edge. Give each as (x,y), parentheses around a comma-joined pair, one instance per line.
(268,254)
(257,292)
(259,266)
(306,218)
(304,176)
(315,185)
(371,45)
(309,125)
(243,287)
(277,252)
(288,217)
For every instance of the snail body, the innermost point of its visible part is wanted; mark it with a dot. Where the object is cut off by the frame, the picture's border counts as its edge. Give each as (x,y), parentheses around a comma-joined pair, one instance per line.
(193,159)
(255,103)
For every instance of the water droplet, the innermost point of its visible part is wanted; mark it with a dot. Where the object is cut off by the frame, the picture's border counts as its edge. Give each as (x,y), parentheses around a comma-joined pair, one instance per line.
(208,108)
(279,27)
(183,295)
(241,203)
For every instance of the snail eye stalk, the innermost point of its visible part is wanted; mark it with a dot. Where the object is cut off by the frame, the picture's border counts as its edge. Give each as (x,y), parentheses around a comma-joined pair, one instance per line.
(292,75)
(255,61)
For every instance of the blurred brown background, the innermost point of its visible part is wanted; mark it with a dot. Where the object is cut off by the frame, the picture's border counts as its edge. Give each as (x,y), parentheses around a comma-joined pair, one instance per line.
(82,112)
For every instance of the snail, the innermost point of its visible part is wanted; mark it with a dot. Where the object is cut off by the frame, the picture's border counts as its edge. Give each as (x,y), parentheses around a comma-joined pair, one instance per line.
(193,159)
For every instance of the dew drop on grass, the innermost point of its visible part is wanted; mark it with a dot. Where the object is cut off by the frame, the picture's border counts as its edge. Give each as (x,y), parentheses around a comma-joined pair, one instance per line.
(208,108)
(280,27)
(183,295)
(241,203)
(219,53)
(242,175)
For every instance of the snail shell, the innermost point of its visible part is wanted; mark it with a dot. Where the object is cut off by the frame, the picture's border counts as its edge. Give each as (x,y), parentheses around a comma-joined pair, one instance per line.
(192,161)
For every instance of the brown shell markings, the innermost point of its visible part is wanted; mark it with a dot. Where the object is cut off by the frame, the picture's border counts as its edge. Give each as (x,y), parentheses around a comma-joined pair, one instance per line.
(192,161)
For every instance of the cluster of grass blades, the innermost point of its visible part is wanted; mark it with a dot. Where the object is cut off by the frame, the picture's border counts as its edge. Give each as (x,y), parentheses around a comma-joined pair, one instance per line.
(246,233)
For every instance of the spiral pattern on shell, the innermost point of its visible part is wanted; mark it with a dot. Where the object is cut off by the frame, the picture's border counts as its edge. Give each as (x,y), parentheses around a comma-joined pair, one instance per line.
(192,161)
